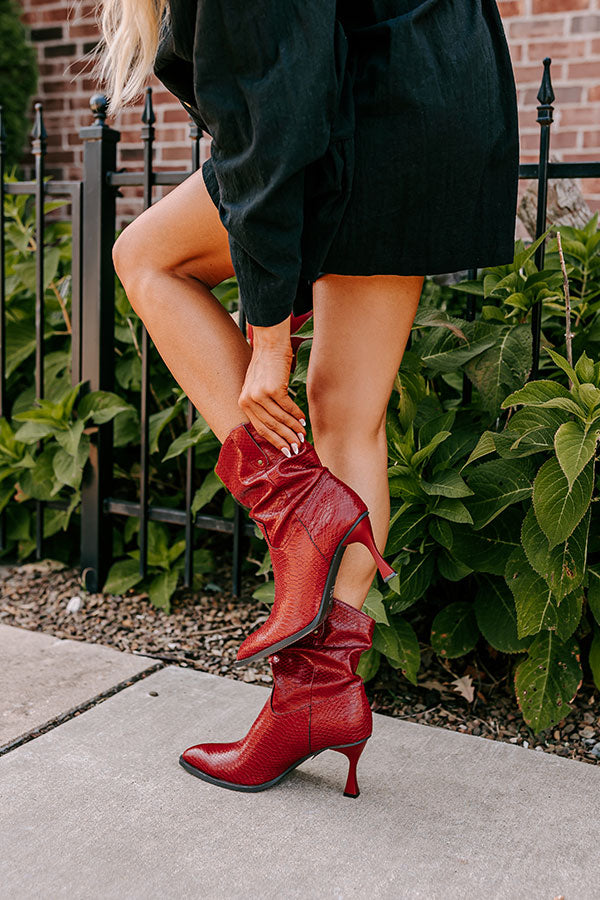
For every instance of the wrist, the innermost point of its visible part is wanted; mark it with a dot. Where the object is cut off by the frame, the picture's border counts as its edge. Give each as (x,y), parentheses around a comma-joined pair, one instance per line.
(273,337)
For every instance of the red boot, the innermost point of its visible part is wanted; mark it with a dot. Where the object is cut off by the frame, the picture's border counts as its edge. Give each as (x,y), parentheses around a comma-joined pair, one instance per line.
(318,702)
(308,517)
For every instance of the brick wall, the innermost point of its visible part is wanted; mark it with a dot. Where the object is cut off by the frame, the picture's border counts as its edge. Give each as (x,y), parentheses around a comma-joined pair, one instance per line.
(566,30)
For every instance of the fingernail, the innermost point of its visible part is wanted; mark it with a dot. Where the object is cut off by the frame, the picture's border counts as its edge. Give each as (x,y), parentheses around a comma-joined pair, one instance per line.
(303,422)
(286,451)
(295,448)
(301,438)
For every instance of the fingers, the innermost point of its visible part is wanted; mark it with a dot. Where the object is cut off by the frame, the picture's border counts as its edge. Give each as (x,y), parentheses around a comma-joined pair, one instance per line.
(273,429)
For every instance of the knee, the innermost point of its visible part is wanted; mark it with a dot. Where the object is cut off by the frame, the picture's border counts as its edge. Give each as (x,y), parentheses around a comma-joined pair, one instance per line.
(130,258)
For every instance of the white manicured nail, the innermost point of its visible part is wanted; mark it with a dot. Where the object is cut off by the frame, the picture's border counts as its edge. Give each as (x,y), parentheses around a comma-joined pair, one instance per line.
(303,422)
(301,438)
(295,448)
(286,451)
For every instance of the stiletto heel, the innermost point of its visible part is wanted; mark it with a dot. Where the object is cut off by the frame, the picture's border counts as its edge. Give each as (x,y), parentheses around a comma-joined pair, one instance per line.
(363,533)
(353,753)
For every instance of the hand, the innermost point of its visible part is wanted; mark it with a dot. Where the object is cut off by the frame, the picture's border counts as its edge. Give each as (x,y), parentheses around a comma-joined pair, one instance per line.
(264,397)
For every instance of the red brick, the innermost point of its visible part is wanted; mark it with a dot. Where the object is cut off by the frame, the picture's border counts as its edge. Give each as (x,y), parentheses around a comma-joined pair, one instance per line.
(584,70)
(510,8)
(592,139)
(594,94)
(595,46)
(537,27)
(566,49)
(542,7)
(178,114)
(564,139)
(585,24)
(585,115)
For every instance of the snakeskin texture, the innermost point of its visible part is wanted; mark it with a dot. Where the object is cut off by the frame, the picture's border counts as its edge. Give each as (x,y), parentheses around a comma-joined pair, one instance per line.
(303,511)
(317,701)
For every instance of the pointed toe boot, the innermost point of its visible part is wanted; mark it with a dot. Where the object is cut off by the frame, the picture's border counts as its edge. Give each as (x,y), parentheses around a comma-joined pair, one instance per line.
(308,517)
(317,703)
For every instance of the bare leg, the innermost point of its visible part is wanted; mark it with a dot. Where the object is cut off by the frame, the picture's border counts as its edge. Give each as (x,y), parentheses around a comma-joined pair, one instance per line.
(362,324)
(167,260)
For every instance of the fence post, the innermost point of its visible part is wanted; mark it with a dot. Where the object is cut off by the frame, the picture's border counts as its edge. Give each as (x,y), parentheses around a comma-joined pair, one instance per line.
(97,325)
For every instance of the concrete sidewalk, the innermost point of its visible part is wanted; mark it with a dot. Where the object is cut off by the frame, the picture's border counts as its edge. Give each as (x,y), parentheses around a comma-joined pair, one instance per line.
(100,808)
(42,677)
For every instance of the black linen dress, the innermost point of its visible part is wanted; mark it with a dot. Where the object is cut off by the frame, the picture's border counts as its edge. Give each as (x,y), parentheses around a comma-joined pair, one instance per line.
(355,137)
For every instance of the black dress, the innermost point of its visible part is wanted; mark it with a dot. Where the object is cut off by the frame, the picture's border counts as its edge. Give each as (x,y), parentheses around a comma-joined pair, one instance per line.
(360,137)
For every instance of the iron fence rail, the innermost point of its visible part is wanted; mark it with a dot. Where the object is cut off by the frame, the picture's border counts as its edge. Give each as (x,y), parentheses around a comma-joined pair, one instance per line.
(92,203)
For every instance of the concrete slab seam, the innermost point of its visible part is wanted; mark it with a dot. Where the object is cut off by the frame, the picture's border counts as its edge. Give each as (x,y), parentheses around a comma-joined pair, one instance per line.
(81,707)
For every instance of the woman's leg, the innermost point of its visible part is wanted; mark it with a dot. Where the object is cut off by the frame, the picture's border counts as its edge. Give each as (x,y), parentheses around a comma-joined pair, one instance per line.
(168,259)
(361,326)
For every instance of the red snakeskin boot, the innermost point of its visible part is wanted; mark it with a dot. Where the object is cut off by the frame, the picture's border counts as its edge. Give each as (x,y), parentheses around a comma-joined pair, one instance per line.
(308,517)
(318,702)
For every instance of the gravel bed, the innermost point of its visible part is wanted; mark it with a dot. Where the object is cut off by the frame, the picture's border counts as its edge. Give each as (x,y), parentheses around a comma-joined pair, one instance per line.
(205,628)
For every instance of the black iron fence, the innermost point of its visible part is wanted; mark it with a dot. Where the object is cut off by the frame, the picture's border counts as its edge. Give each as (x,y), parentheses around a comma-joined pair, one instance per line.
(92,204)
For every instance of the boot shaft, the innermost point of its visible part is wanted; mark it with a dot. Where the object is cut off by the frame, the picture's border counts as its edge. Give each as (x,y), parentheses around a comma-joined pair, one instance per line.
(265,481)
(321,668)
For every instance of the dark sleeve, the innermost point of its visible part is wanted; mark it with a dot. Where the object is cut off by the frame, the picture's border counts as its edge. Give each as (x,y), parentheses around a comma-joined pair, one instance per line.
(266,85)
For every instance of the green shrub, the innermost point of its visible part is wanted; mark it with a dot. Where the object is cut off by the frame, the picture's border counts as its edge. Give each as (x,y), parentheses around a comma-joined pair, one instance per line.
(494,526)
(18,79)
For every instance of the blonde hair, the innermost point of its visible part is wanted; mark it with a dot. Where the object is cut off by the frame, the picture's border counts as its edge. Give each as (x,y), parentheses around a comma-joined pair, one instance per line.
(124,57)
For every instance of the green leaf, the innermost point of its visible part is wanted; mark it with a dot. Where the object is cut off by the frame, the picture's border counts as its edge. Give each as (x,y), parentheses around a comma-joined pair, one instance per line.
(422,455)
(441,531)
(558,507)
(497,617)
(373,606)
(32,432)
(157,422)
(594,658)
(447,484)
(536,393)
(563,567)
(562,363)
(123,574)
(452,569)
(485,445)
(453,511)
(548,680)
(404,527)
(101,406)
(574,449)
(585,369)
(265,592)
(536,607)
(454,630)
(190,438)
(488,549)
(414,577)
(207,490)
(398,642)
(503,366)
(162,588)
(369,663)
(158,547)
(496,484)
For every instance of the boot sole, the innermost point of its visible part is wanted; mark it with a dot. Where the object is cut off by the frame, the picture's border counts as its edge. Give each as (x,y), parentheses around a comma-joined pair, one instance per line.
(255,788)
(326,601)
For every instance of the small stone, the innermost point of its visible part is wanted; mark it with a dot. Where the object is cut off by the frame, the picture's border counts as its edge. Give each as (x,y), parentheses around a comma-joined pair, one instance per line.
(557,735)
(540,748)
(74,604)
(587,732)
(526,744)
(595,751)
(153,693)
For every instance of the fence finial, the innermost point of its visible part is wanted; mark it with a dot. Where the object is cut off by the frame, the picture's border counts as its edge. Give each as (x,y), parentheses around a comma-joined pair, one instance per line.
(99,105)
(546,92)
(38,132)
(148,117)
